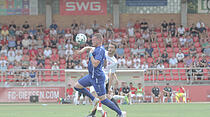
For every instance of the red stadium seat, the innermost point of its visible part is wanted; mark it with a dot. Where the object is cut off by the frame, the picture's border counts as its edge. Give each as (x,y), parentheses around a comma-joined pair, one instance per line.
(174,71)
(166,65)
(168,77)
(169,50)
(161,45)
(132,45)
(47,62)
(156,54)
(149,60)
(62,61)
(175,45)
(198,50)
(132,40)
(181,65)
(10,78)
(160,40)
(160,77)
(159,35)
(158,30)
(165,34)
(195,39)
(162,50)
(175,77)
(174,40)
(55,78)
(142,60)
(176,50)
(146,78)
(155,50)
(170,55)
(205,74)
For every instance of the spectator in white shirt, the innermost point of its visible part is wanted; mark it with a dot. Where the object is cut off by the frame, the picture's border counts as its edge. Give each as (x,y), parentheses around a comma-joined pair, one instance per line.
(47,52)
(180,56)
(69,51)
(121,60)
(173,62)
(84,63)
(89,31)
(11,58)
(137,65)
(182,40)
(68,34)
(129,62)
(136,59)
(55,69)
(18,50)
(11,52)
(78,66)
(53,32)
(69,45)
(199,24)
(181,30)
(18,57)
(160,68)
(130,31)
(145,66)
(4,50)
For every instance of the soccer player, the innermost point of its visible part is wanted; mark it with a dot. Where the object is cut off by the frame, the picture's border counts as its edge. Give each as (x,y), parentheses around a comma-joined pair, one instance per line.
(109,69)
(140,93)
(96,76)
(155,93)
(167,93)
(180,92)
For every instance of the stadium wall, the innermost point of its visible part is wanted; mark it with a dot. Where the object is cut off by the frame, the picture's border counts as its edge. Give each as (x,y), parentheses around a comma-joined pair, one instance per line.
(20,19)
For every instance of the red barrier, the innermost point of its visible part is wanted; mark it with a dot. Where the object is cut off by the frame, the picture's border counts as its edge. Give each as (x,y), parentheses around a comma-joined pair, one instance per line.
(20,94)
(195,93)
(83,7)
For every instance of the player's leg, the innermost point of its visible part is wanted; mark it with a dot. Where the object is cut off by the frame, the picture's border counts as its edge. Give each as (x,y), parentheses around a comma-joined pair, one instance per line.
(177,97)
(82,83)
(93,111)
(108,94)
(101,91)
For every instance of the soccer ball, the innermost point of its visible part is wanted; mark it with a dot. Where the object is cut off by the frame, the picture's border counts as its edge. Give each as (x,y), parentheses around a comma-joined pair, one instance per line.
(81,38)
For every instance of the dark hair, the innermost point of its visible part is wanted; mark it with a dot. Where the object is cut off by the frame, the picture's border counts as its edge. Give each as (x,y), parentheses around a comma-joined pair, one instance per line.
(115,45)
(131,83)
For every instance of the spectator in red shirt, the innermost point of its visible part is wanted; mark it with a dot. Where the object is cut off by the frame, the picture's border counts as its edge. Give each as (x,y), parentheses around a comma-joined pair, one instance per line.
(133,92)
(70,92)
(137,26)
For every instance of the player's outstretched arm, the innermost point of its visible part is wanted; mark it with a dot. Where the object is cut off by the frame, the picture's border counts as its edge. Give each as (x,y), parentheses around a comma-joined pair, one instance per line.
(87,48)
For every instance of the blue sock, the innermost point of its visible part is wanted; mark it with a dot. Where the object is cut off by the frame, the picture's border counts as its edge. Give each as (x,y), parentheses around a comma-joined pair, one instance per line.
(112,106)
(86,92)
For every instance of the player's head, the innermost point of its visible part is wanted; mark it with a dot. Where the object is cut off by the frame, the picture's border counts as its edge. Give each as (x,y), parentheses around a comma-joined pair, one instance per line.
(167,84)
(131,84)
(97,39)
(112,48)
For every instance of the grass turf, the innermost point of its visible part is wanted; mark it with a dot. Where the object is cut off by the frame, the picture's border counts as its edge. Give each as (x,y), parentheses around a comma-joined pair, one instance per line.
(140,110)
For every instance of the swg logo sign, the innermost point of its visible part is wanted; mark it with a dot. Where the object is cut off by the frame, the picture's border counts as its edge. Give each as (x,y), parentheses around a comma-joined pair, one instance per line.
(80,6)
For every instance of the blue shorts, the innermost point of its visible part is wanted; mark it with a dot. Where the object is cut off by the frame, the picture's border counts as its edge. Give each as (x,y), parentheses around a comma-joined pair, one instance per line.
(97,83)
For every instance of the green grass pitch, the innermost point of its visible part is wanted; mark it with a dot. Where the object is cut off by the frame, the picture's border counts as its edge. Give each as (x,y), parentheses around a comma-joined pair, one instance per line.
(135,110)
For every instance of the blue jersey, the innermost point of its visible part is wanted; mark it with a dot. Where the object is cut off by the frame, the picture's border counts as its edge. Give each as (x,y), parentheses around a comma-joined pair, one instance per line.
(98,54)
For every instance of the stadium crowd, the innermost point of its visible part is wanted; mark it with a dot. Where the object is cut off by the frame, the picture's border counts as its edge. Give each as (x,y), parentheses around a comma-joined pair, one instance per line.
(140,45)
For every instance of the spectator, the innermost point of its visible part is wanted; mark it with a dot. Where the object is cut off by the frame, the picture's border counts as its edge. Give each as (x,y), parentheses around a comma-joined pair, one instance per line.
(188,61)
(53,32)
(4,32)
(69,52)
(141,51)
(19,44)
(172,23)
(182,41)
(165,56)
(149,51)
(12,25)
(12,42)
(155,94)
(145,66)
(25,42)
(68,34)
(199,25)
(160,68)
(4,41)
(3,67)
(95,26)
(193,51)
(135,50)
(69,92)
(181,31)
(130,31)
(189,41)
(130,23)
(168,41)
(203,62)
(198,73)
(85,63)
(26,26)
(137,65)
(102,30)
(25,78)
(47,52)
(146,36)
(53,25)
(18,57)
(180,56)
(129,63)
(89,31)
(193,30)
(25,61)
(74,25)
(144,25)
(40,43)
(164,26)
(40,58)
(78,66)
(190,74)
(173,62)
(120,51)
(55,69)
(55,56)
(167,93)
(137,26)
(172,30)
(32,77)
(54,42)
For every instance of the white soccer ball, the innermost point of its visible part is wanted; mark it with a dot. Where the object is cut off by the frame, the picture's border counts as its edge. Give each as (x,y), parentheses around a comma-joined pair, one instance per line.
(81,38)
